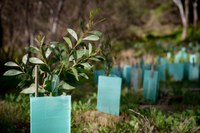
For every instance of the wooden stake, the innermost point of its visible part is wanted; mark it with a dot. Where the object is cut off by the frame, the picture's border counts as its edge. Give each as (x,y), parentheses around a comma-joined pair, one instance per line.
(152,67)
(36,80)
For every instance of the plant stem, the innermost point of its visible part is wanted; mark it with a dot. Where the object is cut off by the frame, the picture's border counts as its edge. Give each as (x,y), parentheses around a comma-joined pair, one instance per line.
(61,69)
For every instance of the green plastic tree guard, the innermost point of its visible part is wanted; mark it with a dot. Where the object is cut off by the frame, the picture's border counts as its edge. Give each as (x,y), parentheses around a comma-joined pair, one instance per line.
(116,71)
(127,74)
(50,114)
(54,84)
(186,70)
(181,55)
(108,97)
(176,71)
(193,58)
(97,73)
(161,71)
(136,78)
(193,72)
(150,86)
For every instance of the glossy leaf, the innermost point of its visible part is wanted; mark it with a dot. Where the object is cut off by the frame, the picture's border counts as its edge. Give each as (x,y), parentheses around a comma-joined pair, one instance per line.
(75,73)
(68,41)
(66,86)
(11,64)
(94,59)
(90,48)
(97,33)
(12,72)
(79,41)
(35,60)
(84,75)
(100,58)
(25,58)
(73,33)
(86,66)
(32,49)
(31,90)
(49,51)
(42,40)
(80,53)
(91,38)
(45,68)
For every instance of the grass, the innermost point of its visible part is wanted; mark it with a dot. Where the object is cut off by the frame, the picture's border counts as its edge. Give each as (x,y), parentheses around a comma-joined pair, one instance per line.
(134,117)
(172,113)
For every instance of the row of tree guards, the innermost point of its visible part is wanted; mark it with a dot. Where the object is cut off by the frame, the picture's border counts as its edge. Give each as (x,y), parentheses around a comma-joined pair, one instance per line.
(179,67)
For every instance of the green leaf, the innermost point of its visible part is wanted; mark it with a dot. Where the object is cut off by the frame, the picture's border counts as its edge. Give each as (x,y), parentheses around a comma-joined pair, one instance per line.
(35,60)
(29,90)
(86,66)
(71,58)
(66,86)
(80,53)
(94,59)
(100,57)
(12,72)
(48,52)
(32,49)
(79,41)
(40,40)
(90,48)
(68,41)
(97,33)
(73,33)
(64,56)
(84,75)
(11,64)
(45,68)
(75,73)
(25,58)
(91,38)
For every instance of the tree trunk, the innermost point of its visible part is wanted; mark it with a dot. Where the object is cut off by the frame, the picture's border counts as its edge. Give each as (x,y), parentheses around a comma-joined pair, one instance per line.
(56,18)
(184,16)
(195,13)
(185,25)
(81,14)
(1,26)
(1,32)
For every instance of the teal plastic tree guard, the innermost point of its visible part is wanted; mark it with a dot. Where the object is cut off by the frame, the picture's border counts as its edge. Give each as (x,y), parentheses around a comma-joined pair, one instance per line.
(177,57)
(54,84)
(163,61)
(193,72)
(162,68)
(150,86)
(97,73)
(136,78)
(186,70)
(50,114)
(176,71)
(116,71)
(180,55)
(147,67)
(108,97)
(127,74)
(193,58)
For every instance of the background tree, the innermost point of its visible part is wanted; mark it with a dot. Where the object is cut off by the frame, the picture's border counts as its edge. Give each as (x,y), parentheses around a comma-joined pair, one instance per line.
(184,16)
